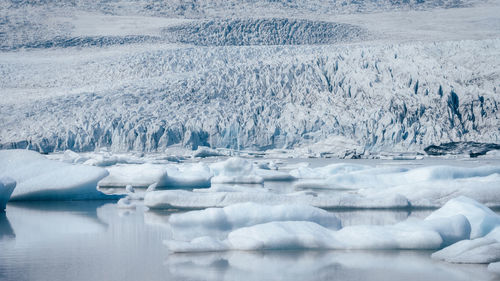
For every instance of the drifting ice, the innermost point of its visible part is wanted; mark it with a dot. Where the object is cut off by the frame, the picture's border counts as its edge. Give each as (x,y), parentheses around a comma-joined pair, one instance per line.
(39,178)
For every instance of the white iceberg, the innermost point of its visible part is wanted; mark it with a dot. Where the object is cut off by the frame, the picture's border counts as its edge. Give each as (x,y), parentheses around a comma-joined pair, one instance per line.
(7,186)
(208,221)
(235,170)
(436,231)
(494,267)
(164,176)
(181,199)
(136,175)
(274,175)
(480,250)
(39,178)
(482,219)
(196,175)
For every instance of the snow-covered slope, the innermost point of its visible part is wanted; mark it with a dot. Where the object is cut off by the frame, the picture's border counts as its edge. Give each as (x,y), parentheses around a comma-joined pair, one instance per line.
(295,81)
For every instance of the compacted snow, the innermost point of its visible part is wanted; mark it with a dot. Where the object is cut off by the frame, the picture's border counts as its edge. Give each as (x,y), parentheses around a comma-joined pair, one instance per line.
(39,178)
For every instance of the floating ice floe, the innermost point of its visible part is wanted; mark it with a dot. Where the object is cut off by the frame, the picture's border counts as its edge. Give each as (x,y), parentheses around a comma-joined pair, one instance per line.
(164,176)
(424,187)
(7,186)
(273,175)
(438,230)
(214,220)
(136,175)
(235,170)
(494,267)
(204,151)
(181,199)
(39,178)
(196,175)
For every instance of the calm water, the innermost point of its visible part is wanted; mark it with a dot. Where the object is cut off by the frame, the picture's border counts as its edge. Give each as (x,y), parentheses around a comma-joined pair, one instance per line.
(94,240)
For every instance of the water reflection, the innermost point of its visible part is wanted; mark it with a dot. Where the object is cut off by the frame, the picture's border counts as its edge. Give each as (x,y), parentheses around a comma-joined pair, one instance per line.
(319,265)
(94,240)
(5,228)
(32,221)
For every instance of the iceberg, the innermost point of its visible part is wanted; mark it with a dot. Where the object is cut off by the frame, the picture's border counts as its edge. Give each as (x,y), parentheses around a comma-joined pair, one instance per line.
(430,186)
(136,175)
(164,176)
(188,176)
(213,220)
(482,219)
(39,178)
(235,170)
(433,233)
(494,267)
(182,199)
(7,186)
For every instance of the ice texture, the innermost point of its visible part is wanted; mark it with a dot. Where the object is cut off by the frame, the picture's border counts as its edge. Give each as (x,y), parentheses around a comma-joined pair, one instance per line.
(430,186)
(200,223)
(7,186)
(482,219)
(181,199)
(395,97)
(235,170)
(494,267)
(39,178)
(435,232)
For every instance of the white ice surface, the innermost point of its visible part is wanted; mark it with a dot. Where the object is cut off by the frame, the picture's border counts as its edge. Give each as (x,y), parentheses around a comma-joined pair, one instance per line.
(188,176)
(7,186)
(235,170)
(165,176)
(431,233)
(39,178)
(137,175)
(482,219)
(494,267)
(211,221)
(429,186)
(193,200)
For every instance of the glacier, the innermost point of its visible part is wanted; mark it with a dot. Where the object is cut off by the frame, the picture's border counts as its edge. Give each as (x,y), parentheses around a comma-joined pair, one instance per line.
(362,76)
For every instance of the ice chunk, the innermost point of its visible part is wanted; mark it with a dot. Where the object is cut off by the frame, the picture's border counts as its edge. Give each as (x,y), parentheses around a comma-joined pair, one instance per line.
(39,178)
(247,214)
(436,192)
(482,219)
(233,188)
(165,176)
(304,232)
(203,152)
(480,250)
(188,176)
(326,171)
(181,199)
(235,170)
(137,175)
(273,175)
(7,186)
(494,267)
(288,235)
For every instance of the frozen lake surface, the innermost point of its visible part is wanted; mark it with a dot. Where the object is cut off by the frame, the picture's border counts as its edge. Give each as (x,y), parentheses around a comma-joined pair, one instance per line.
(95,240)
